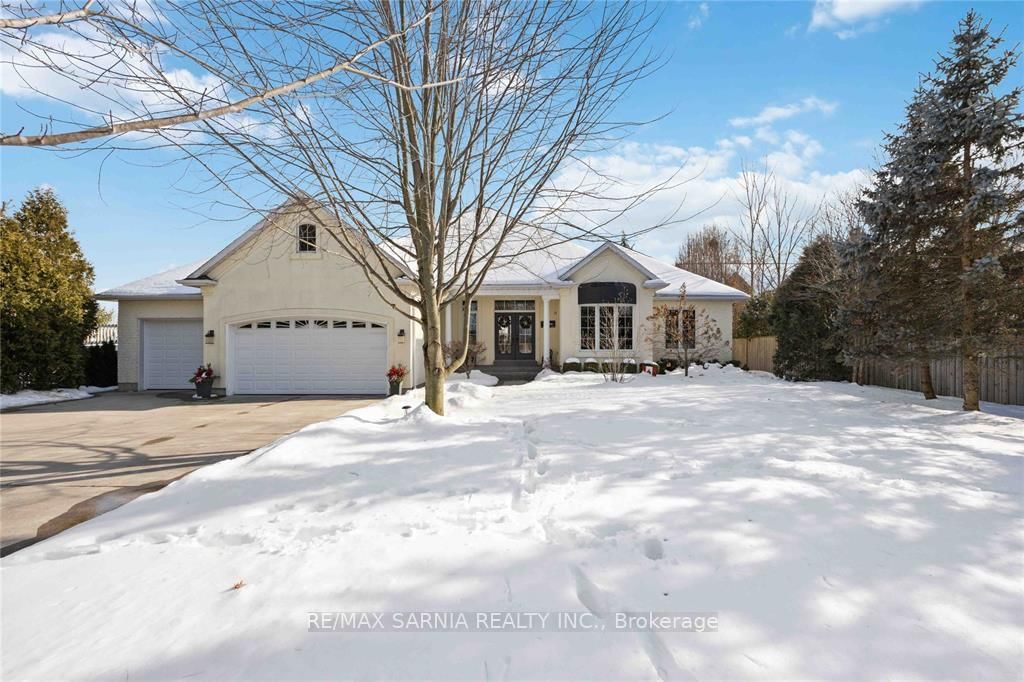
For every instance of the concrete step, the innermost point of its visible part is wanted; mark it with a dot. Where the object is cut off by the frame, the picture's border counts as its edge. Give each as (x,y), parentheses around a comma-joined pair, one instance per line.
(513,371)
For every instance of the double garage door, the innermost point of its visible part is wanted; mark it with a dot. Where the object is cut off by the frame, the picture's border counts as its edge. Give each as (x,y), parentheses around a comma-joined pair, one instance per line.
(338,356)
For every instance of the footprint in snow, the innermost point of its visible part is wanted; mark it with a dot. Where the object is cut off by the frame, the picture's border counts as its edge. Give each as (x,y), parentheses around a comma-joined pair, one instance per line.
(599,603)
(409,492)
(530,482)
(590,595)
(517,503)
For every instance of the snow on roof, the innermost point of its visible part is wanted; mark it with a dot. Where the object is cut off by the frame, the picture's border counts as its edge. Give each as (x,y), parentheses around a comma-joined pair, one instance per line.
(696,285)
(666,279)
(161,285)
(529,256)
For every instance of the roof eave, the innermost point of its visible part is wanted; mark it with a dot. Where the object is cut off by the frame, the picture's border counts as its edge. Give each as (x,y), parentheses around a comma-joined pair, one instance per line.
(148,297)
(738,296)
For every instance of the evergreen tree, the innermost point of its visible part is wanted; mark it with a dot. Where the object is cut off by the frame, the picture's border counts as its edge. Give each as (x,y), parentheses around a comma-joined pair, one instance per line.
(46,303)
(904,265)
(858,317)
(802,316)
(755,319)
(968,165)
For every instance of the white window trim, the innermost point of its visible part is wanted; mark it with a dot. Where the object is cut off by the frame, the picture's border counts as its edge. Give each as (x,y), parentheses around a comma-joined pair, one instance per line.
(473,323)
(615,326)
(316,252)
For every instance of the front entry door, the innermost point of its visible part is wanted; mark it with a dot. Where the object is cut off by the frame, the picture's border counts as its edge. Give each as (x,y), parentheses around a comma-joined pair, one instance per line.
(514,336)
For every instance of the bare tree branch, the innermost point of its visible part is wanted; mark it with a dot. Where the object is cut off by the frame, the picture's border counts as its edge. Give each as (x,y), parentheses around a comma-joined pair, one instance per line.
(154,123)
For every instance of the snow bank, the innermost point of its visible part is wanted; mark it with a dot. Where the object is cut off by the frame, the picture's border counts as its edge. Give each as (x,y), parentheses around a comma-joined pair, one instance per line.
(817,521)
(475,376)
(26,398)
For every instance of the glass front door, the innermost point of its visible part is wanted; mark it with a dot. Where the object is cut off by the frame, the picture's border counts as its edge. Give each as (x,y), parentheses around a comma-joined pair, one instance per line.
(514,336)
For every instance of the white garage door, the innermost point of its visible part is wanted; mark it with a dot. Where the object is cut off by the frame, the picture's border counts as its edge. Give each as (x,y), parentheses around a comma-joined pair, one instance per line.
(310,356)
(171,352)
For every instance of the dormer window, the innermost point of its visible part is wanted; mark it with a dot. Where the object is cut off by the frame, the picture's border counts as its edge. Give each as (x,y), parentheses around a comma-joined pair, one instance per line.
(307,239)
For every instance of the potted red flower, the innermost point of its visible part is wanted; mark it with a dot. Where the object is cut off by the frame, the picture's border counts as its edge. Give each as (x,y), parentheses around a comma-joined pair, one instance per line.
(396,374)
(203,379)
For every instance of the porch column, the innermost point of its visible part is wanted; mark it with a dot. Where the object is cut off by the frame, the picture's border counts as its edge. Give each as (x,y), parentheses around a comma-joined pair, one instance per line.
(547,332)
(448,323)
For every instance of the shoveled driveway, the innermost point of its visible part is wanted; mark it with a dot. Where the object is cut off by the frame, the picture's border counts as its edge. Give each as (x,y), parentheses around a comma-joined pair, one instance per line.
(61,464)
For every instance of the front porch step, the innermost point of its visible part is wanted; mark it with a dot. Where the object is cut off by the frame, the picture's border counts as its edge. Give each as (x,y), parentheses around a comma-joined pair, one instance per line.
(512,371)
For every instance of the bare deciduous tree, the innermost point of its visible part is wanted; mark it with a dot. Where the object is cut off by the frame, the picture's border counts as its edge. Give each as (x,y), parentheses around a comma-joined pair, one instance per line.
(711,253)
(129,60)
(427,187)
(752,195)
(775,225)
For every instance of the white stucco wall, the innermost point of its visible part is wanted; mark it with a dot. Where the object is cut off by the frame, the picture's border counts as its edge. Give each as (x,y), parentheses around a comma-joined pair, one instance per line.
(130,315)
(268,279)
(610,267)
(720,313)
(607,267)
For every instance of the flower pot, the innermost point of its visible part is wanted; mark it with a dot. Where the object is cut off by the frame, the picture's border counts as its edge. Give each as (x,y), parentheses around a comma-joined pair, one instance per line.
(395,388)
(204,388)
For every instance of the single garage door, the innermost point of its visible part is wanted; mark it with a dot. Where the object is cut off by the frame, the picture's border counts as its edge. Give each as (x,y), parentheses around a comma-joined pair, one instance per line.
(310,356)
(171,352)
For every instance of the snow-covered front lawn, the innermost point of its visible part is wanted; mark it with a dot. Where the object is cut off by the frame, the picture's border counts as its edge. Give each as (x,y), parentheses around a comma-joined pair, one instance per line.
(56,395)
(836,532)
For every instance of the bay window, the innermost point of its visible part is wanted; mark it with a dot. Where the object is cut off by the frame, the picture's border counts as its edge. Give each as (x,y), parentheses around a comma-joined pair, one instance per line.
(606,315)
(606,327)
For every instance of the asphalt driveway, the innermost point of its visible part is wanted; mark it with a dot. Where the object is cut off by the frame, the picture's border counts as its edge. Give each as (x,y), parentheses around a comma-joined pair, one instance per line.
(63,463)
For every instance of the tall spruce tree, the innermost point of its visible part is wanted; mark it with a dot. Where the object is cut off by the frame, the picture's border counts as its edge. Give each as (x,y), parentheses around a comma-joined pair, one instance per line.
(46,303)
(968,165)
(904,263)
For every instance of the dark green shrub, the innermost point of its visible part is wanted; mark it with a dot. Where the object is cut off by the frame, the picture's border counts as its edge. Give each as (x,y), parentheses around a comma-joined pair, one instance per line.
(572,366)
(101,364)
(756,317)
(666,365)
(802,314)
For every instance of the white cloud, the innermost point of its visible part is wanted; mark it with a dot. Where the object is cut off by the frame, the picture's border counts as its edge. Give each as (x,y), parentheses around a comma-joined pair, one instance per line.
(771,114)
(710,195)
(851,18)
(699,16)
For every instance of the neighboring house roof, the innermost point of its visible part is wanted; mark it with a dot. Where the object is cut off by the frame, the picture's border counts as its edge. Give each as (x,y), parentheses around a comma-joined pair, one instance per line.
(535,257)
(163,285)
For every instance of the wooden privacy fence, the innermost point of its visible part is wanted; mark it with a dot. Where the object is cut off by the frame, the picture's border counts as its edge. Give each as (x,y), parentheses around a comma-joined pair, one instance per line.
(755,353)
(1000,375)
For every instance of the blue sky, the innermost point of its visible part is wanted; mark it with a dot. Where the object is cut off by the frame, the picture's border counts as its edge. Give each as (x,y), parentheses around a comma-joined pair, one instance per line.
(812,86)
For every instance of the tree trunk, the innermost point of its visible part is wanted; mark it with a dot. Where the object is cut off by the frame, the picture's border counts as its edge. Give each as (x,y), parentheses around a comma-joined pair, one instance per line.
(970,378)
(433,358)
(970,352)
(926,380)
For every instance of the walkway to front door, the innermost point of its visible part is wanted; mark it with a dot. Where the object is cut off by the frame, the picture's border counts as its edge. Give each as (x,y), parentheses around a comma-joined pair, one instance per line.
(514,336)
